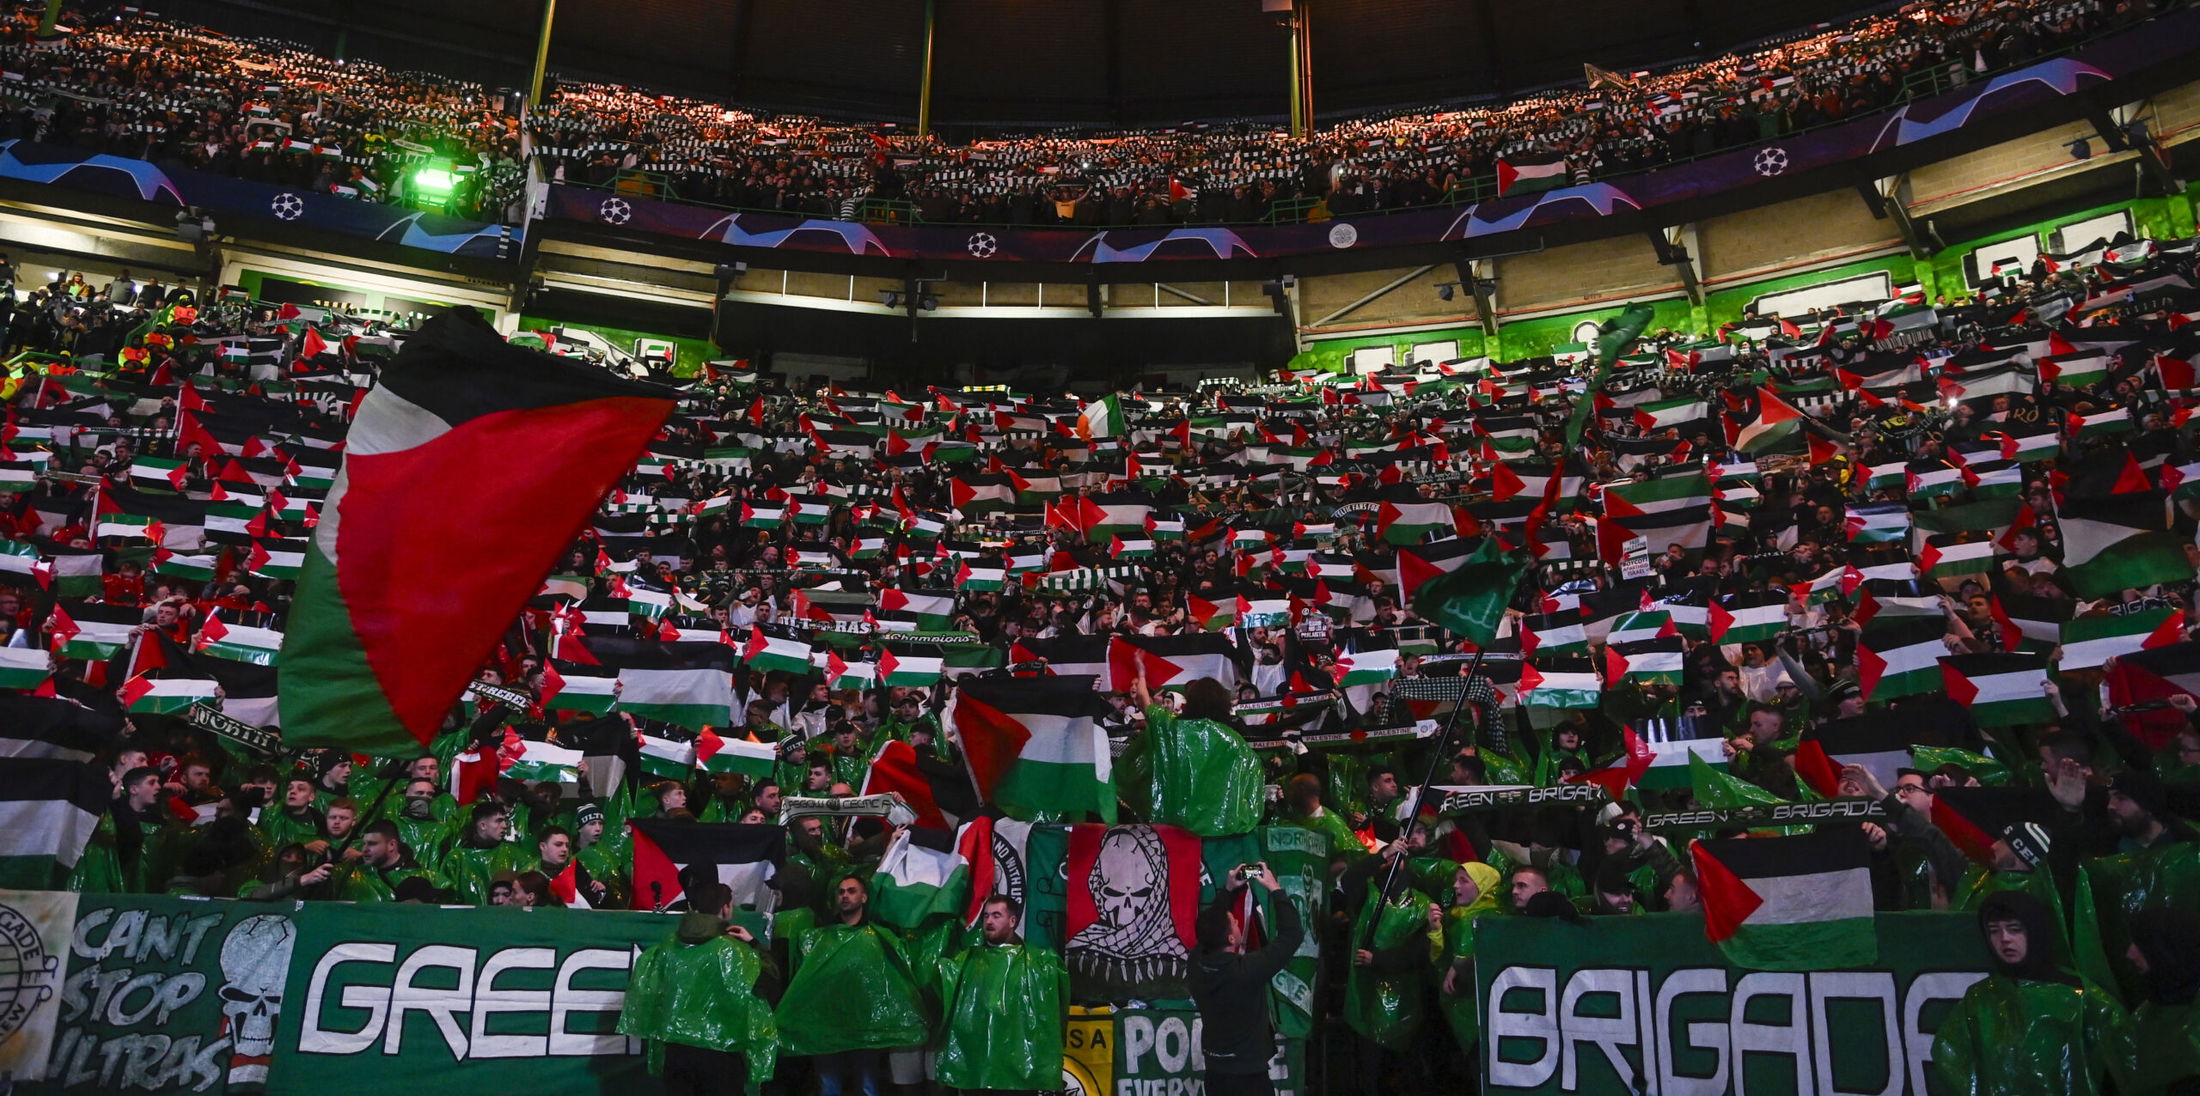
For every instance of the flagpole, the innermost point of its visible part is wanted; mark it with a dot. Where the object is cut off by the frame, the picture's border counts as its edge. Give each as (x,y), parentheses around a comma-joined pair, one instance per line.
(1413,816)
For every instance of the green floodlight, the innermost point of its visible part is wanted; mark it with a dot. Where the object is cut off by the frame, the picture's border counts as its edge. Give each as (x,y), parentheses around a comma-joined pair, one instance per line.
(435,180)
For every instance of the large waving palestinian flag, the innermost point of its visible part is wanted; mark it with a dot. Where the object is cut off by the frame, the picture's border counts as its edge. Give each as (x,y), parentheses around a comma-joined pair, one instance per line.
(1033,745)
(467,471)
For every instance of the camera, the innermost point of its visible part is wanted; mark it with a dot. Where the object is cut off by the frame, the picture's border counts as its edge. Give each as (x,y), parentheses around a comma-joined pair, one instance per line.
(1247,874)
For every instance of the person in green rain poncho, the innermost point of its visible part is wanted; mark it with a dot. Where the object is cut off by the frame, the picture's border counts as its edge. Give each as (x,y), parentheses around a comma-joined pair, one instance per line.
(1395,934)
(1475,890)
(2165,947)
(1002,1008)
(2031,1026)
(1192,769)
(853,996)
(699,997)
(132,848)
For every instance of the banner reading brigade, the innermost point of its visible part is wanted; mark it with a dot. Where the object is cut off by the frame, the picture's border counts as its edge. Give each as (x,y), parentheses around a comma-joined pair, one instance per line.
(1627,1004)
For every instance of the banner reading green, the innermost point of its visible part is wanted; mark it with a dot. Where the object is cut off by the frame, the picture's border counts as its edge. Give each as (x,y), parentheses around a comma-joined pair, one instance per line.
(493,1000)
(1594,1007)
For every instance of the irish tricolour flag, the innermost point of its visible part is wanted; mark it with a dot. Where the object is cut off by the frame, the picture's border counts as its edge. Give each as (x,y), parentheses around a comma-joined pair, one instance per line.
(1789,903)
(1032,744)
(1102,418)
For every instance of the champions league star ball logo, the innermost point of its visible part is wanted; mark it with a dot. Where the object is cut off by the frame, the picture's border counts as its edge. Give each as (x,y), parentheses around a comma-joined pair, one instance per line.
(288,207)
(614,211)
(982,245)
(1770,161)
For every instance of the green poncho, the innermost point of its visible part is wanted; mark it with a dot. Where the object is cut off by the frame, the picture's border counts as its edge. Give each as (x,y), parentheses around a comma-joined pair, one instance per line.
(1459,944)
(1387,1006)
(2015,1037)
(853,989)
(699,989)
(1193,773)
(1002,1008)
(2168,1046)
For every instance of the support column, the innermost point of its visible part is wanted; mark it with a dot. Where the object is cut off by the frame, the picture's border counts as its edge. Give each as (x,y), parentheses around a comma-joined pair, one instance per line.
(542,51)
(924,85)
(47,21)
(1298,116)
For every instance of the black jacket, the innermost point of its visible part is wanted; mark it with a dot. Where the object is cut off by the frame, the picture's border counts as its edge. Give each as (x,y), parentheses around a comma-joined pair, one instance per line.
(1232,994)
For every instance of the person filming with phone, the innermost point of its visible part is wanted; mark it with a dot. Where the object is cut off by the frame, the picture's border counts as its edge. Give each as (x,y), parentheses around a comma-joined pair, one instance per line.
(1230,984)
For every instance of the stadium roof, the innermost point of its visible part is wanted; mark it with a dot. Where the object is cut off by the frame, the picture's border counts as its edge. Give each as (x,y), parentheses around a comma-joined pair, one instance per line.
(1131,62)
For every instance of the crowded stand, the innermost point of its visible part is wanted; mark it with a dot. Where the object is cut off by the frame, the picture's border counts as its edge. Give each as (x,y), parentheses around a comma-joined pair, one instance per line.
(1906,585)
(133,84)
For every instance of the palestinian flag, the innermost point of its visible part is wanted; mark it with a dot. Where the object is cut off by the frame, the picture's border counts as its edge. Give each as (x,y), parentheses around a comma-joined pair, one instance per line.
(1554,634)
(2112,543)
(1170,660)
(1673,764)
(1880,745)
(2091,640)
(893,769)
(1944,559)
(664,757)
(2155,674)
(534,762)
(768,517)
(1413,522)
(2028,623)
(932,612)
(692,698)
(914,881)
(24,667)
(768,652)
(1878,523)
(1779,427)
(1649,661)
(1641,624)
(238,642)
(1900,657)
(745,858)
(1033,746)
(167,696)
(94,630)
(1559,689)
(1998,690)
(1749,617)
(740,756)
(49,807)
(469,469)
(1665,510)
(1067,656)
(1975,818)
(981,579)
(1102,418)
(1367,667)
(53,727)
(1798,903)
(1528,172)
(570,687)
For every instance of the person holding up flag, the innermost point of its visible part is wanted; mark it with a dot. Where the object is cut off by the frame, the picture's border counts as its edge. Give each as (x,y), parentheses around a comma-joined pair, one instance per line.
(854,996)
(702,1000)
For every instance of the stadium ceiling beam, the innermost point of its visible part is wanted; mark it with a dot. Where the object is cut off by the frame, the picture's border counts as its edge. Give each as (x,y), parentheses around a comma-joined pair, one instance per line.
(1480,278)
(1674,248)
(1393,286)
(2122,133)
(1884,198)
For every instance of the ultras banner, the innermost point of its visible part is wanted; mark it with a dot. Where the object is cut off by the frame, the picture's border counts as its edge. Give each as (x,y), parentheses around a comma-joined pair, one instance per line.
(1629,1004)
(134,994)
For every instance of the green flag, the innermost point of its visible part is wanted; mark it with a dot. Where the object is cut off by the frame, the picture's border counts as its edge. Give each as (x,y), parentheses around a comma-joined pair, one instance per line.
(1613,339)
(1471,600)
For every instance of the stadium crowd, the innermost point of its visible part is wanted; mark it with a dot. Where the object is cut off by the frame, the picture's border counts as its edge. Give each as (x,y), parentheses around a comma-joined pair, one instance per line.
(132,84)
(1933,556)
